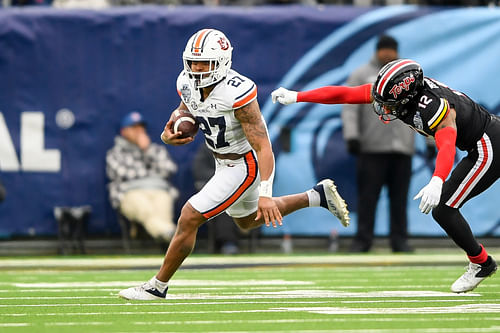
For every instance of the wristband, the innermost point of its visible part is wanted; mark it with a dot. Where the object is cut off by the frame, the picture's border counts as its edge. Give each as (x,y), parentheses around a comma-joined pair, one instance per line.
(266,188)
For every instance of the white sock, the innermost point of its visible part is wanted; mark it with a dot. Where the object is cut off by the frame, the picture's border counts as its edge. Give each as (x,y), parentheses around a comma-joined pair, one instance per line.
(160,285)
(314,198)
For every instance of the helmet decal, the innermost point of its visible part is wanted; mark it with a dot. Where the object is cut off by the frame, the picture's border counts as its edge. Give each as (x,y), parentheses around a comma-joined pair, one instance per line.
(224,43)
(404,84)
(391,69)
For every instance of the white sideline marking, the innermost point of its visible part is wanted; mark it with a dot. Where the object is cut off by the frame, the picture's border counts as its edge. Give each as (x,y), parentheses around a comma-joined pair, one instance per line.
(343,294)
(128,313)
(382,259)
(93,323)
(494,329)
(165,303)
(465,308)
(14,324)
(338,287)
(57,297)
(173,283)
(288,294)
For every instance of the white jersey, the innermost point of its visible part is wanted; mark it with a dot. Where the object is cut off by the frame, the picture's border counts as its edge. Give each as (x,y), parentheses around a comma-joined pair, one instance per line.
(223,132)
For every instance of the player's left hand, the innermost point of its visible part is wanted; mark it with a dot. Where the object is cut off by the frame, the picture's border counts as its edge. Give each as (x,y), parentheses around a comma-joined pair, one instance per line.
(430,194)
(268,210)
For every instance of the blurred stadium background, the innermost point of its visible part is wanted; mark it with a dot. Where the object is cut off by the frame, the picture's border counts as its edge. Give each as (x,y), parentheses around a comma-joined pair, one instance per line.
(69,73)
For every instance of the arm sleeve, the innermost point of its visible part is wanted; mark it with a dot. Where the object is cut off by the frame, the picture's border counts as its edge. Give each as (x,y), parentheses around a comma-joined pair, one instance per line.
(445,142)
(337,95)
(351,112)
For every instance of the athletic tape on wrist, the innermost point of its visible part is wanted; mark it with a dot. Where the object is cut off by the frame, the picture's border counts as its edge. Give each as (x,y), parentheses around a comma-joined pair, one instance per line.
(266,186)
(266,189)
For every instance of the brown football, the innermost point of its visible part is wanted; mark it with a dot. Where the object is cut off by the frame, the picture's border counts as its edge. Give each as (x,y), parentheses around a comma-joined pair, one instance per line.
(185,122)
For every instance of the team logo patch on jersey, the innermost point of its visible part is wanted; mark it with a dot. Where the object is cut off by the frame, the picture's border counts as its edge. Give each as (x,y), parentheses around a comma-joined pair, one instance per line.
(194,105)
(417,121)
(186,92)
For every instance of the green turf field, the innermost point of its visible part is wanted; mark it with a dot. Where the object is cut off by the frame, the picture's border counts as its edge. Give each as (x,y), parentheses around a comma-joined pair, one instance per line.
(275,293)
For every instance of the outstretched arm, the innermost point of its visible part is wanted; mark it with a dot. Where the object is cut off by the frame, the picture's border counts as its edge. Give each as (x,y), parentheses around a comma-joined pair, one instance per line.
(325,95)
(446,136)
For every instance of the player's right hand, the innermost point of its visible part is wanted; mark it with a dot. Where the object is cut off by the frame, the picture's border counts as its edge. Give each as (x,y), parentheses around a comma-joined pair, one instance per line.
(284,96)
(269,211)
(430,194)
(170,138)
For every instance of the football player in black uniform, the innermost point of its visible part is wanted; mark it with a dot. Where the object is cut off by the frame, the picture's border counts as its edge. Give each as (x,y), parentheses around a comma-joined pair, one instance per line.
(454,120)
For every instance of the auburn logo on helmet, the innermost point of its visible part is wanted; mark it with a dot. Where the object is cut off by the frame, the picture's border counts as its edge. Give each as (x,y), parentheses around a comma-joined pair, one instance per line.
(224,44)
(404,84)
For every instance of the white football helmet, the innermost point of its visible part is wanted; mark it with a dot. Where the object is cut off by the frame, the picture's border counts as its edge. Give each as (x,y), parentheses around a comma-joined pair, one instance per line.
(208,45)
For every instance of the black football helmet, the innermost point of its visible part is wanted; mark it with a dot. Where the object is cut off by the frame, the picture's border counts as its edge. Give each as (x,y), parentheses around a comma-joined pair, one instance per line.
(397,83)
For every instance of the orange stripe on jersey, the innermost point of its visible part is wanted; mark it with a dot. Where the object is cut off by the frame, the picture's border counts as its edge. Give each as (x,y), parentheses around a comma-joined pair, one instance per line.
(179,92)
(251,95)
(249,180)
(199,39)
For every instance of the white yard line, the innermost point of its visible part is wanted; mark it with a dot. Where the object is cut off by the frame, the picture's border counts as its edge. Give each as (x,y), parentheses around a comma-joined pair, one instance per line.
(14,324)
(464,308)
(154,262)
(173,283)
(139,313)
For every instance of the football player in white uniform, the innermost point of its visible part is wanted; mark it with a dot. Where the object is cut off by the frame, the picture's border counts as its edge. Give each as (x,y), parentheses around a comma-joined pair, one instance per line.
(225,105)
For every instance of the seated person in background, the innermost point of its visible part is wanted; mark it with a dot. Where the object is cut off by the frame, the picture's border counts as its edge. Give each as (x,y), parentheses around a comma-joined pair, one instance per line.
(138,171)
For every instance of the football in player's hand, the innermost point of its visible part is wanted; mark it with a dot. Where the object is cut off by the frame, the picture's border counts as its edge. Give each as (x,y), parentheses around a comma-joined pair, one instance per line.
(184,122)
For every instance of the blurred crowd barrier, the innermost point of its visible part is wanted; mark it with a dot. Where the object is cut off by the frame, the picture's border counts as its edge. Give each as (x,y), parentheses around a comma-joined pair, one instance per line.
(69,76)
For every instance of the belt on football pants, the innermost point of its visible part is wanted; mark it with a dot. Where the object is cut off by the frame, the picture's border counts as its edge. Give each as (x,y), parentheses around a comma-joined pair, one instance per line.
(228,156)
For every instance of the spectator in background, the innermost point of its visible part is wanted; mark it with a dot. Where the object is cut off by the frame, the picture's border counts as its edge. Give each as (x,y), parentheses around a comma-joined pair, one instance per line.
(384,153)
(225,230)
(3,192)
(138,171)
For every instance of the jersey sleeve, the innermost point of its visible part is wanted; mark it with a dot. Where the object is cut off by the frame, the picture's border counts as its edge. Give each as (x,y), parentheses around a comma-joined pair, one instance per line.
(437,113)
(182,86)
(243,91)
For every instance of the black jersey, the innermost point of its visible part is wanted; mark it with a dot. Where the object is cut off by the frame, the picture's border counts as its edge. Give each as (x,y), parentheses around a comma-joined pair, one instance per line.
(433,104)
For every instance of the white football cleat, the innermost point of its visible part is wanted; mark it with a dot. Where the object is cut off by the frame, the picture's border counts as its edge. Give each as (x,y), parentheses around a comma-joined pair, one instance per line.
(331,200)
(474,275)
(144,292)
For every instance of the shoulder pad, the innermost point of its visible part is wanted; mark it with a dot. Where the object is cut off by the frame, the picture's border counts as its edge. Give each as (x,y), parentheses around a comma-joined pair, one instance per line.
(241,89)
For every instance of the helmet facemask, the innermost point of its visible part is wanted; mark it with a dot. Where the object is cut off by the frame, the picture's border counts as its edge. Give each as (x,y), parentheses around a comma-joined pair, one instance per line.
(206,78)
(389,111)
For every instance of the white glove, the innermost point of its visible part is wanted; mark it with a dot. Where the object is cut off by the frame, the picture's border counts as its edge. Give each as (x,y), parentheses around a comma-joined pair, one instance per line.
(430,194)
(284,96)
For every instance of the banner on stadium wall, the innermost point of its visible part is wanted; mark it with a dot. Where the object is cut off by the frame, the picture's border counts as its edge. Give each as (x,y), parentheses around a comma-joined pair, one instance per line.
(69,76)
